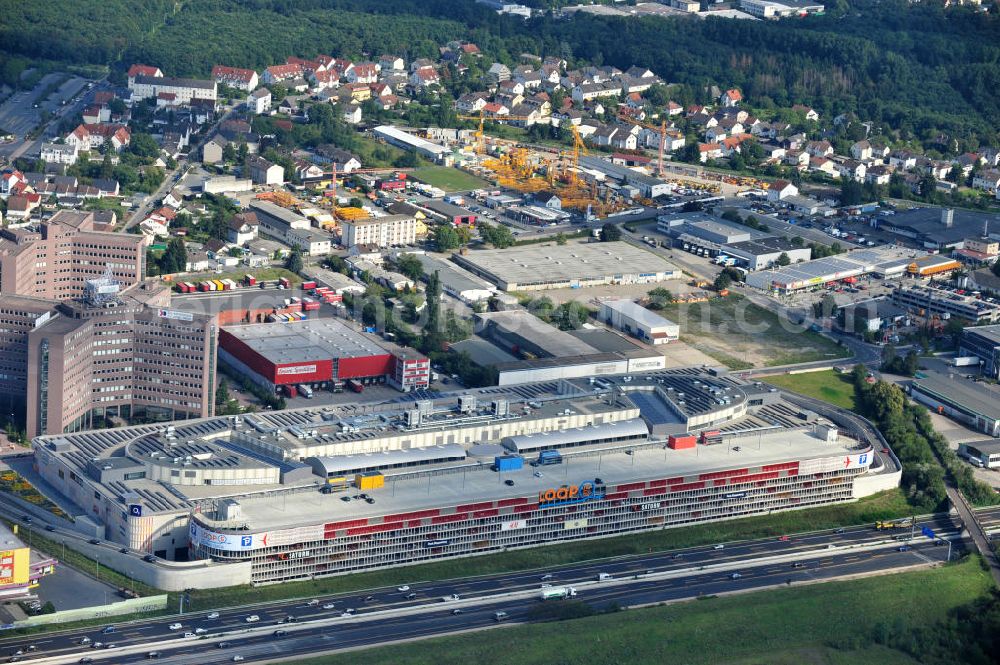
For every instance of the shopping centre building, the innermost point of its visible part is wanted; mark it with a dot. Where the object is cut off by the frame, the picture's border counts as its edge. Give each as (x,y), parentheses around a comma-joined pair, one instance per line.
(329,490)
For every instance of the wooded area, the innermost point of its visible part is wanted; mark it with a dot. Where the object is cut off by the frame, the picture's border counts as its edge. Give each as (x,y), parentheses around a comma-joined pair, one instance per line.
(917,68)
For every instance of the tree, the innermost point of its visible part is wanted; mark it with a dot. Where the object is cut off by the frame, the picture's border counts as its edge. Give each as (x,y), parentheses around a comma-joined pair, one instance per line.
(432,339)
(221,393)
(410,265)
(783,259)
(499,236)
(294,260)
(446,238)
(570,315)
(610,233)
(144,146)
(722,281)
(826,307)
(174,259)
(851,192)
(560,238)
(659,298)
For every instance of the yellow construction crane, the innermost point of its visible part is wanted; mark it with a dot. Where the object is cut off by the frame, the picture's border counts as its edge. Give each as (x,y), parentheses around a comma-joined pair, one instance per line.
(481,119)
(662,130)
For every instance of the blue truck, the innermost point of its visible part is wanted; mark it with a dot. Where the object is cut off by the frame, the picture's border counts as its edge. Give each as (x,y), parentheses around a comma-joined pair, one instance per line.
(547,457)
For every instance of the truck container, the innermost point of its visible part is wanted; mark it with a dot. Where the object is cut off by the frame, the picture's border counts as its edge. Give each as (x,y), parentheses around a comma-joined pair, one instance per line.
(306,391)
(508,463)
(289,390)
(547,457)
(181,287)
(682,442)
(192,286)
(308,285)
(558,592)
(219,286)
(355,386)
(283,281)
(310,306)
(206,286)
(964,361)
(230,284)
(249,280)
(370,480)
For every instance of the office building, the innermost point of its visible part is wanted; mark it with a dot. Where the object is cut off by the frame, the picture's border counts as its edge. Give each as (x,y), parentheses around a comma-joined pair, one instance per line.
(53,259)
(117,354)
(636,320)
(388,231)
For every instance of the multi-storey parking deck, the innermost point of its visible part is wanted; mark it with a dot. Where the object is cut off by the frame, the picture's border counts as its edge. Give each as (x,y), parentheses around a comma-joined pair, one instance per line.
(283,490)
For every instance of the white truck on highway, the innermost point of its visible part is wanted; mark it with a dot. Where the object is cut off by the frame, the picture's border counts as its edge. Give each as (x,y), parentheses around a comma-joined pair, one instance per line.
(558,593)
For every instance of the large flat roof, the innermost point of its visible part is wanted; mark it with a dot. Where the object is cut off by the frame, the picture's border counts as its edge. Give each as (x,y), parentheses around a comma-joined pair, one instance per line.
(976,396)
(458,488)
(545,336)
(637,313)
(304,341)
(992,333)
(561,263)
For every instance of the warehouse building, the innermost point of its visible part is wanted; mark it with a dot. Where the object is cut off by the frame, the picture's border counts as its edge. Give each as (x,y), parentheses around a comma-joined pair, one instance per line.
(706,227)
(881,261)
(397,137)
(290,228)
(983,342)
(636,320)
(318,352)
(449,213)
(765,252)
(535,268)
(972,403)
(936,228)
(595,364)
(426,466)
(985,454)
(927,301)
(524,335)
(455,281)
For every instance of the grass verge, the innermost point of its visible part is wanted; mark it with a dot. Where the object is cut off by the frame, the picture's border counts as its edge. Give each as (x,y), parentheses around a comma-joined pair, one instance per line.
(829,386)
(881,506)
(447,178)
(829,623)
(741,334)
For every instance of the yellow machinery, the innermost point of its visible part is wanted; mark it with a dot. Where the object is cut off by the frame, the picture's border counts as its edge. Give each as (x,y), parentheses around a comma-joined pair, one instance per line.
(480,135)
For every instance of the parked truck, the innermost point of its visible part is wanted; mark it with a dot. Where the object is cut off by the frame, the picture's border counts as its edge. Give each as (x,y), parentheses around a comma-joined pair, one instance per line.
(964,361)
(355,386)
(547,457)
(306,391)
(558,592)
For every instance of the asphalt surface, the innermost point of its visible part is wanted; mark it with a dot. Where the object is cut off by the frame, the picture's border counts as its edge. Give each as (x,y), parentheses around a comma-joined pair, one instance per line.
(820,554)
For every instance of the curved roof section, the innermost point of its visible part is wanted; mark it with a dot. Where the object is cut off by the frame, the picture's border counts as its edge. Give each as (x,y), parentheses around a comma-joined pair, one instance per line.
(576,436)
(326,466)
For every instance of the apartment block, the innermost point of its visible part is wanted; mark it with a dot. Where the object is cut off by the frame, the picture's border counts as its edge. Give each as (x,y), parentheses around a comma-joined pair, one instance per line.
(389,231)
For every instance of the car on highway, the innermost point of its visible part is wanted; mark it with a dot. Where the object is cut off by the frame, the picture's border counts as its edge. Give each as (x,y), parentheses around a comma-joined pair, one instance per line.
(500,616)
(456,611)
(411,596)
(175,626)
(783,539)
(546,576)
(798,564)
(719,547)
(49,527)
(369,599)
(280,633)
(223,645)
(84,640)
(735,576)
(26,519)
(328,606)
(200,631)
(253,618)
(841,530)
(86,659)
(405,587)
(537,474)
(313,602)
(123,550)
(237,658)
(94,541)
(188,634)
(153,654)
(508,482)
(903,548)
(108,630)
(212,615)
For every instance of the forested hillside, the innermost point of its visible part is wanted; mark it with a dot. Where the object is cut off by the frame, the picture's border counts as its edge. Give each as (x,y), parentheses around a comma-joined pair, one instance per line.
(917,68)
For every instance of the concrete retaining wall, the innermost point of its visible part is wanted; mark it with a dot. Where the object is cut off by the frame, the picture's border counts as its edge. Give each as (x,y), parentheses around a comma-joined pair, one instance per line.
(130,606)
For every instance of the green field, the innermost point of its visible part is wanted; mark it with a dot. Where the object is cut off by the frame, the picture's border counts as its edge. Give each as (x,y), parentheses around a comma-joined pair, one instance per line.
(884,505)
(448,179)
(742,335)
(831,623)
(827,385)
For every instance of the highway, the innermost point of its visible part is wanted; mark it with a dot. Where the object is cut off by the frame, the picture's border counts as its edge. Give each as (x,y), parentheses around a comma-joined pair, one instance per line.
(678,574)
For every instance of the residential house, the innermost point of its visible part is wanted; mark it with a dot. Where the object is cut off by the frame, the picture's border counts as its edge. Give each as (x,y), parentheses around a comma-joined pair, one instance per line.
(862,150)
(306,171)
(234,77)
(495,110)
(281,73)
(259,101)
(212,151)
(988,181)
(773,151)
(363,72)
(966,162)
(819,148)
(852,169)
(808,112)
(731,97)
(20,206)
(604,135)
(142,70)
(471,102)
(56,153)
(391,63)
(424,78)
(878,175)
(548,200)
(797,158)
(707,151)
(91,137)
(352,114)
(340,160)
(781,189)
(498,73)
(824,165)
(264,172)
(95,114)
(243,228)
(902,159)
